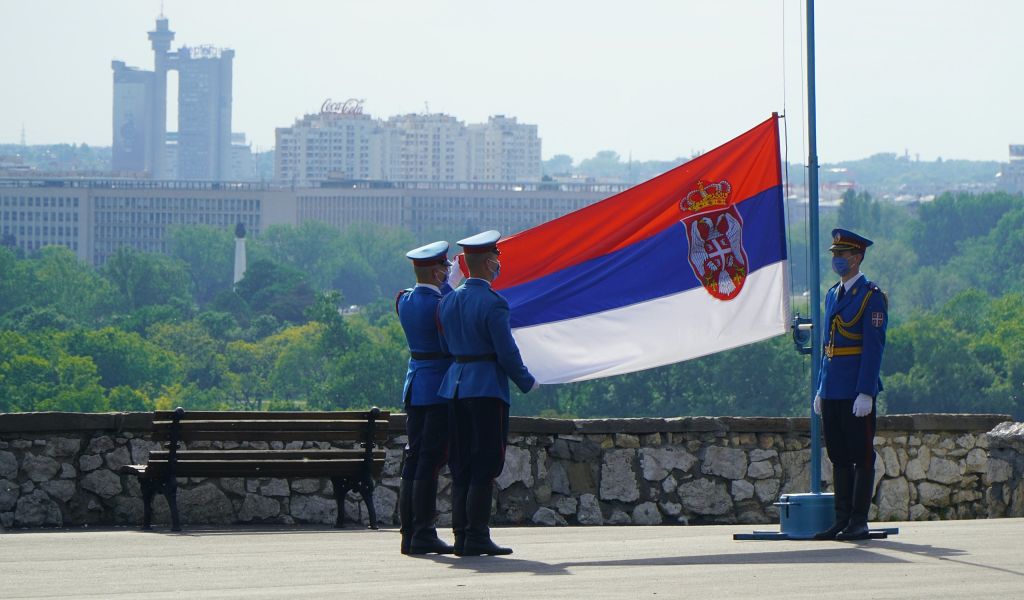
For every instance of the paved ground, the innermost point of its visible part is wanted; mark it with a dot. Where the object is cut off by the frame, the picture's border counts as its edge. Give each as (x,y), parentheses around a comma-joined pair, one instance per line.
(951,559)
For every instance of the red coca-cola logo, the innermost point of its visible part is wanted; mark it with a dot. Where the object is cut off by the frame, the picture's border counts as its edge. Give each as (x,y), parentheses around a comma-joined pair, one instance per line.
(352,106)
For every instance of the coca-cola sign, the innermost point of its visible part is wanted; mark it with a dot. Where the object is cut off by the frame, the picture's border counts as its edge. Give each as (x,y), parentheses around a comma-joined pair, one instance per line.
(352,106)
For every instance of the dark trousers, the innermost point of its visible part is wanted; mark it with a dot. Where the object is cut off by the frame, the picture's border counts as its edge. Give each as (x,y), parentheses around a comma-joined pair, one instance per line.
(849,440)
(427,428)
(478,434)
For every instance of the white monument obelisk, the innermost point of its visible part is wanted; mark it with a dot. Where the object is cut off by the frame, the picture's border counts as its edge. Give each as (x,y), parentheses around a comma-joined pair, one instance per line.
(239,253)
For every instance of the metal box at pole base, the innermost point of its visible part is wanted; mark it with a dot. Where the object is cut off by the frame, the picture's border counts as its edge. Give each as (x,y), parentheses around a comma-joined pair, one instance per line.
(803,515)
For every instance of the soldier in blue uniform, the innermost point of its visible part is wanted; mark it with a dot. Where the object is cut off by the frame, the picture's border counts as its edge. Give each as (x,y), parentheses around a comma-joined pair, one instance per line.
(856,315)
(426,411)
(474,324)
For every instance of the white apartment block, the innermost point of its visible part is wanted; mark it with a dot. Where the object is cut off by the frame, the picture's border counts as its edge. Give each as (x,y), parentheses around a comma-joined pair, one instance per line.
(329,145)
(504,150)
(345,144)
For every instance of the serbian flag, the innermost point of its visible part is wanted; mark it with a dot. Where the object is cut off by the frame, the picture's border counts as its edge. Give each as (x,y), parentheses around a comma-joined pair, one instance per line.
(689,263)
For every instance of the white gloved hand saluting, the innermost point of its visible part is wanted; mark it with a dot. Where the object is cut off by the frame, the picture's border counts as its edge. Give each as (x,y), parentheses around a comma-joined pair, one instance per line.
(817,404)
(862,405)
(536,384)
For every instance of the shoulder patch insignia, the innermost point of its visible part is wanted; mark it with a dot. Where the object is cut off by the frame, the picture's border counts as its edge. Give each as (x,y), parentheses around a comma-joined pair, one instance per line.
(877,318)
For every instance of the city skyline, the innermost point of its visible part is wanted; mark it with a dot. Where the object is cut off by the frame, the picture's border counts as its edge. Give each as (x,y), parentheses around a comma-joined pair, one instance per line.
(662,81)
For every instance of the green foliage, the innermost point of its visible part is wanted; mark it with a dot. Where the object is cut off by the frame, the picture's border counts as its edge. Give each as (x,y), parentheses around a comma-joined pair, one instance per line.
(148,331)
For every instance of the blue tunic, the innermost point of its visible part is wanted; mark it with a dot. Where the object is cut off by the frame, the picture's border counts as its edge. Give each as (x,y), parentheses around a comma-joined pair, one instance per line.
(854,338)
(474,321)
(417,309)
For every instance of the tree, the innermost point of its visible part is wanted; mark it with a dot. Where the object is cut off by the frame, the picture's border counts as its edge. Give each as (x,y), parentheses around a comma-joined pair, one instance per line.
(146,279)
(209,253)
(269,287)
(126,359)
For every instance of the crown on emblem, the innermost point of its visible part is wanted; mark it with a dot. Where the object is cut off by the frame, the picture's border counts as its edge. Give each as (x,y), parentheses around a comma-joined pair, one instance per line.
(716,194)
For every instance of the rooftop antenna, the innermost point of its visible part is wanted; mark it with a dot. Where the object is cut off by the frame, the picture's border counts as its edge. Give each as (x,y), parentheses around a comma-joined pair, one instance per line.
(161,8)
(426,107)
(23,133)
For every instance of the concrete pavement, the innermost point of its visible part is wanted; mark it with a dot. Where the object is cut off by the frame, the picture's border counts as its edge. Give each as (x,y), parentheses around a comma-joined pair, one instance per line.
(977,559)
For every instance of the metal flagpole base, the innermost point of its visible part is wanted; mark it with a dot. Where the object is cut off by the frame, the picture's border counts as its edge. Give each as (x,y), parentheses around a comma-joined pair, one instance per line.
(803,515)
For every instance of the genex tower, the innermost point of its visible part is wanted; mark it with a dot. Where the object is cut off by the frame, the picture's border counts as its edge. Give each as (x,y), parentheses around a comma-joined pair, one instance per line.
(201,147)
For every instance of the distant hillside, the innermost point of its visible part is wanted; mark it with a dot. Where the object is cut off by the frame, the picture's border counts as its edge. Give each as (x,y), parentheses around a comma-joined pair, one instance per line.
(883,174)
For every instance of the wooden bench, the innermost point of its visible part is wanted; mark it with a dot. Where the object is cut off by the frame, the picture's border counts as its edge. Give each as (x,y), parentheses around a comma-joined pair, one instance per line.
(349,469)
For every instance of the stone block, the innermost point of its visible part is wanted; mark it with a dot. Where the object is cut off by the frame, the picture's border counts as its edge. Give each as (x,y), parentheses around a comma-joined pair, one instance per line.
(90,462)
(658,463)
(647,513)
(62,447)
(60,489)
(730,463)
(589,511)
(546,516)
(618,479)
(891,461)
(205,504)
(100,444)
(566,505)
(37,509)
(933,494)
(9,492)
(518,468)
(117,458)
(558,478)
(998,471)
(894,500)
(705,497)
(275,487)
(742,490)
(306,486)
(103,483)
(8,465)
(39,468)
(761,469)
(259,508)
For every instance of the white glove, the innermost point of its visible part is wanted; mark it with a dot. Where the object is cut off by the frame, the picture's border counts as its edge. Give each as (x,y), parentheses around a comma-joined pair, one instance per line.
(817,404)
(536,384)
(862,405)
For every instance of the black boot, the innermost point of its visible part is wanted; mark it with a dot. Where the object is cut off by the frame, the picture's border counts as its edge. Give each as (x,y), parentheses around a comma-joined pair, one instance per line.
(424,535)
(478,516)
(842,481)
(459,517)
(863,482)
(405,513)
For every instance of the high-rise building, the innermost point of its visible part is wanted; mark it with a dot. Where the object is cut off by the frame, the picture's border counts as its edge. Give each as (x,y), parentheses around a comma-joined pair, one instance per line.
(133,124)
(204,112)
(332,144)
(431,147)
(202,147)
(504,150)
(342,143)
(1012,177)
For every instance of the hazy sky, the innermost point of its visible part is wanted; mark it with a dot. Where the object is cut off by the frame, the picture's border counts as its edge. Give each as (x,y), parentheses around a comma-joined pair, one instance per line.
(658,79)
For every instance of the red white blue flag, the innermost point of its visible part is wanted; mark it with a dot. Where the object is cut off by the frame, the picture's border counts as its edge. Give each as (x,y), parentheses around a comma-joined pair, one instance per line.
(689,263)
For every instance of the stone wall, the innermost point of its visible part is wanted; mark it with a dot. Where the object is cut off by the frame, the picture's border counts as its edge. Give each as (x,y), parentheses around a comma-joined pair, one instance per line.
(61,469)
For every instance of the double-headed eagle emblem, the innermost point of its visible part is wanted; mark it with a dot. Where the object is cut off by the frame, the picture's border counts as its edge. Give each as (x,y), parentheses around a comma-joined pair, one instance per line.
(715,232)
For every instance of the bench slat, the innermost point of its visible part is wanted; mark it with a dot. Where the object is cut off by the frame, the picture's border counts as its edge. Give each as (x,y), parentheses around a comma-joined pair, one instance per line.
(294,455)
(262,468)
(270,436)
(265,425)
(240,415)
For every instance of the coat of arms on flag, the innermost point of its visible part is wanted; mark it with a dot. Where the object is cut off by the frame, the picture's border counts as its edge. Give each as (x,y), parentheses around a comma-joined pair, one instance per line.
(715,234)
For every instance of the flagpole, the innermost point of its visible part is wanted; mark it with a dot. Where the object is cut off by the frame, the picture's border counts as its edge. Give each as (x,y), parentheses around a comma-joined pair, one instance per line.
(812,250)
